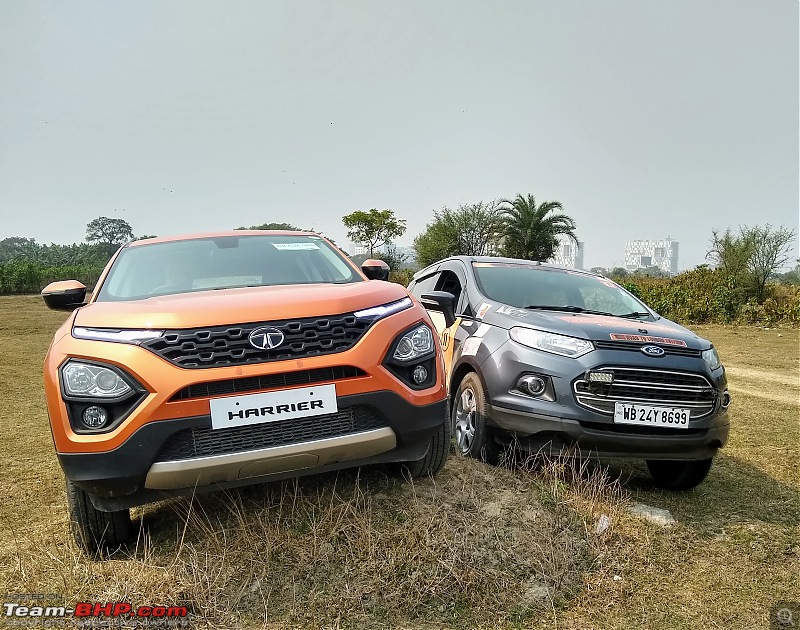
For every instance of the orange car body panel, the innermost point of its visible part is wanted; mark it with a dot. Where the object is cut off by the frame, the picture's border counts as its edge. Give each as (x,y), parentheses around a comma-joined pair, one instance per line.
(162,379)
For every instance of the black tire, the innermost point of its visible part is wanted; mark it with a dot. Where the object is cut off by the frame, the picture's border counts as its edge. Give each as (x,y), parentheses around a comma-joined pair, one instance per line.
(469,417)
(438,450)
(678,474)
(95,530)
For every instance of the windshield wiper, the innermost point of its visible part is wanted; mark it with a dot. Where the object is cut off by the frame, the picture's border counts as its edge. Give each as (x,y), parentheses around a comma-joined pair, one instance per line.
(566,309)
(635,315)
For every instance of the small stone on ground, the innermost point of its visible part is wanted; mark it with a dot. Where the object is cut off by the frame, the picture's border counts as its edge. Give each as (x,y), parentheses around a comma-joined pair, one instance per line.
(654,515)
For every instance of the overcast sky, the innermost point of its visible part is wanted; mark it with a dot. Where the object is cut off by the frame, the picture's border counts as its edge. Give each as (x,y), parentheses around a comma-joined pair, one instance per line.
(644,118)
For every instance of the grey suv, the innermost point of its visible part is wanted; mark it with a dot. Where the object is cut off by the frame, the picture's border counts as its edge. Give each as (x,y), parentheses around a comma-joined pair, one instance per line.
(556,360)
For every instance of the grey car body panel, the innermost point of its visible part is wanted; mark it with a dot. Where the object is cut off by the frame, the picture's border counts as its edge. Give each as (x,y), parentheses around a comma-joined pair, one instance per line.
(555,425)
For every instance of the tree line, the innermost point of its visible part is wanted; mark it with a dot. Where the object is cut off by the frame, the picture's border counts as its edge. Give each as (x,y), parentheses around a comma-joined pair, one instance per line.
(738,279)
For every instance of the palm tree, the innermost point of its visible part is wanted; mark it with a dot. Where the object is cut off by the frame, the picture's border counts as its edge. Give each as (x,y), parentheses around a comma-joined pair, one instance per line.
(529,232)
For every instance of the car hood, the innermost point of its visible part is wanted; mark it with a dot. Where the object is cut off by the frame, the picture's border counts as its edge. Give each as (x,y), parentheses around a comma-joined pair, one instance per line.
(595,327)
(233,306)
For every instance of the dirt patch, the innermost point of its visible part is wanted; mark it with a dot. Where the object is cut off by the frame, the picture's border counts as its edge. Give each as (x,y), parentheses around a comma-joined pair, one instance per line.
(778,386)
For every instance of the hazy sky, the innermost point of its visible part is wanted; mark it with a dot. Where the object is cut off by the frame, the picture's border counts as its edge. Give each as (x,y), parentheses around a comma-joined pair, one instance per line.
(645,118)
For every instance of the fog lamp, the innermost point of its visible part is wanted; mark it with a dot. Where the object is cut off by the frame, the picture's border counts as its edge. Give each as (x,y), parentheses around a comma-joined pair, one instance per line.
(533,385)
(420,374)
(95,417)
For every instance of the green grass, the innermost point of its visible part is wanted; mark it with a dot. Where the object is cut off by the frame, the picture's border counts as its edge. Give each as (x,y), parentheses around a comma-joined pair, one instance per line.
(480,547)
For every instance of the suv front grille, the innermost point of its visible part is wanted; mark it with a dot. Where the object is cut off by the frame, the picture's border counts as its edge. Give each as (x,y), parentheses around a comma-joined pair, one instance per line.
(634,345)
(217,346)
(268,381)
(205,441)
(650,387)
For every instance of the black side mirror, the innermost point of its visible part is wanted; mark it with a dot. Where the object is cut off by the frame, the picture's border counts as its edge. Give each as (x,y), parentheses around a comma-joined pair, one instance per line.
(64,295)
(375,269)
(443,302)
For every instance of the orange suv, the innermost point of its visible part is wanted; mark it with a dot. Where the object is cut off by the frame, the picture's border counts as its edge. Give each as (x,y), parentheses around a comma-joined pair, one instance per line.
(219,360)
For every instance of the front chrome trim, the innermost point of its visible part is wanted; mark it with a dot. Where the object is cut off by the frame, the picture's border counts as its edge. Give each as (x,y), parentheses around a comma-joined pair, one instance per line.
(628,368)
(201,471)
(604,403)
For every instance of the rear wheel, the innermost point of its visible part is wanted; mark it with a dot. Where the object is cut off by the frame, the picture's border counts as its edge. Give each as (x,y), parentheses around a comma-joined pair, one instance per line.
(93,529)
(470,427)
(678,474)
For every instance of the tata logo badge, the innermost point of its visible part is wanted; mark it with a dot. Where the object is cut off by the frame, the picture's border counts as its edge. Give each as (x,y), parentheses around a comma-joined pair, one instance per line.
(266,338)
(653,351)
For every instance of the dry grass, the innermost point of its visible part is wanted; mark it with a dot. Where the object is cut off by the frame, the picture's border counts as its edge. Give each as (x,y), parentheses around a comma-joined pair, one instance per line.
(360,549)
(479,547)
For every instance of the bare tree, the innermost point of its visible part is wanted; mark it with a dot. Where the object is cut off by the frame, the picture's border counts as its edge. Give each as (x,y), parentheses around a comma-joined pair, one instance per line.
(771,251)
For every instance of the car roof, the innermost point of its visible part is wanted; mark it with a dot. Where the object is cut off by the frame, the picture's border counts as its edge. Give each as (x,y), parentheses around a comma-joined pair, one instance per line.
(468,260)
(188,237)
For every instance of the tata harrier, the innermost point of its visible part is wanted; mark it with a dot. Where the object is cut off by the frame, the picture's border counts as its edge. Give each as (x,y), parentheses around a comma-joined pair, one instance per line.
(214,361)
(557,360)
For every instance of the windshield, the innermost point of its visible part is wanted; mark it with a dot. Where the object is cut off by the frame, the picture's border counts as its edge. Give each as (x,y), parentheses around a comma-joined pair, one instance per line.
(526,286)
(221,263)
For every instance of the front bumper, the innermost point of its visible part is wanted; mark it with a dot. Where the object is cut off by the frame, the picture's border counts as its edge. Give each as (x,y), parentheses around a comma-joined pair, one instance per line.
(132,474)
(553,435)
(561,424)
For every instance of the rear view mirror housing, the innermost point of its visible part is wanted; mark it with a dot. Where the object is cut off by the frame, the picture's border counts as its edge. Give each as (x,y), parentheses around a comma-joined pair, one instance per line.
(441,301)
(64,295)
(375,269)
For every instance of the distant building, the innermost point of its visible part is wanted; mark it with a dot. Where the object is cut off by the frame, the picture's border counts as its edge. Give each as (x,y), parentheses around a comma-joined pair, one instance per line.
(408,252)
(662,254)
(358,249)
(568,254)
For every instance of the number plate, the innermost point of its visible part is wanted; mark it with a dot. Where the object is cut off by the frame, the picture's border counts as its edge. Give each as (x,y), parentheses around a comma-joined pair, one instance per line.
(669,417)
(237,411)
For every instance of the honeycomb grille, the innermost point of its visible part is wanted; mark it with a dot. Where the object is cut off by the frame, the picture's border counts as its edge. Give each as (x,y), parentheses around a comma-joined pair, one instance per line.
(230,345)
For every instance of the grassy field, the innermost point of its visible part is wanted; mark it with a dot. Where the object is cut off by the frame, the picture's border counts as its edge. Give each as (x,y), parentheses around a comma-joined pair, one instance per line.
(480,547)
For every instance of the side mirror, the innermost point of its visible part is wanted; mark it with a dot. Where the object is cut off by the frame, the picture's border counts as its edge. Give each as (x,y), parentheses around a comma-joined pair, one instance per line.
(375,269)
(443,302)
(64,295)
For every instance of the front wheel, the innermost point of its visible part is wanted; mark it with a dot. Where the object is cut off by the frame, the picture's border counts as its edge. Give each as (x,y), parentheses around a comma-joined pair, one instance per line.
(438,450)
(93,529)
(470,422)
(678,474)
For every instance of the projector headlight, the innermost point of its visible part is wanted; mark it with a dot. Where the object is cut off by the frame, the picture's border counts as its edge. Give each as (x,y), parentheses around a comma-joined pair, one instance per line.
(87,380)
(414,344)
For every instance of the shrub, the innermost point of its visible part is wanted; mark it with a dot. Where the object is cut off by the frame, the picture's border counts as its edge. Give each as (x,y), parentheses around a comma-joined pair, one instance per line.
(707,296)
(31,277)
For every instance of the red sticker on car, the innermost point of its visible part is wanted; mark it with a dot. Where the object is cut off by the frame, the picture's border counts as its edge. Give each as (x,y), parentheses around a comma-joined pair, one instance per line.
(647,339)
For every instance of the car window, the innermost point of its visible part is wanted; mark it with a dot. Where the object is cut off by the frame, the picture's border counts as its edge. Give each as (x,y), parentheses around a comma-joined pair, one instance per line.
(601,300)
(522,285)
(449,281)
(424,285)
(223,262)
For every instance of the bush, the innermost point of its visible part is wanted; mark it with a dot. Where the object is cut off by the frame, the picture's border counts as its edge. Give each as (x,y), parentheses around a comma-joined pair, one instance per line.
(707,296)
(31,277)
(401,276)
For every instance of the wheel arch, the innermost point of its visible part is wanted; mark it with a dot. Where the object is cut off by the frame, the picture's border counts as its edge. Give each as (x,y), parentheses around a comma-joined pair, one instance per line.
(463,368)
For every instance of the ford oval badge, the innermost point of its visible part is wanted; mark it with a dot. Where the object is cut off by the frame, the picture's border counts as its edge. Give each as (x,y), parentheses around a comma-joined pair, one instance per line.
(653,351)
